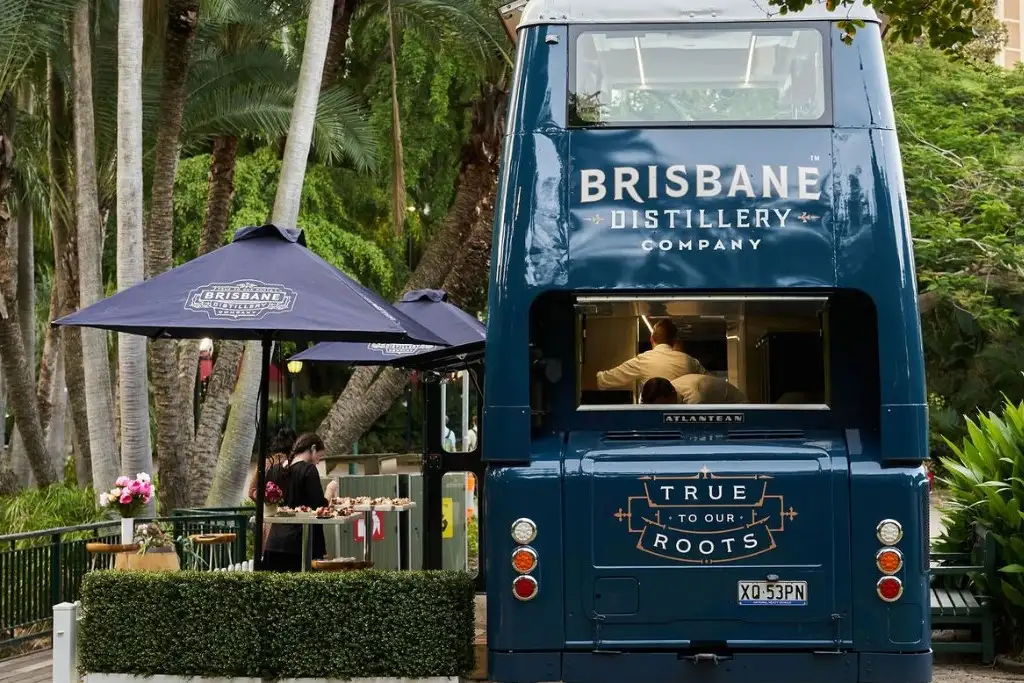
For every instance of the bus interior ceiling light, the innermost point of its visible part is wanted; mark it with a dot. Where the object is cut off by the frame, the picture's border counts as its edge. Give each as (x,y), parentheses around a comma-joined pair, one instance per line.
(524,559)
(524,587)
(650,328)
(889,560)
(523,531)
(889,588)
(889,532)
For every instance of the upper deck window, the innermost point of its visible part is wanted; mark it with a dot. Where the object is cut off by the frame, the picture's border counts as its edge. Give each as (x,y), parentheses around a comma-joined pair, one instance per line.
(709,74)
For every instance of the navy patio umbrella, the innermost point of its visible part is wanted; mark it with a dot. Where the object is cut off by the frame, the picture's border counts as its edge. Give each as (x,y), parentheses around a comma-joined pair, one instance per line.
(265,285)
(463,333)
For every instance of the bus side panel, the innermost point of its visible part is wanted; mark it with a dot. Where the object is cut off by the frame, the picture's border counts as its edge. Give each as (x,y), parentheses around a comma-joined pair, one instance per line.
(898,493)
(534,492)
(875,255)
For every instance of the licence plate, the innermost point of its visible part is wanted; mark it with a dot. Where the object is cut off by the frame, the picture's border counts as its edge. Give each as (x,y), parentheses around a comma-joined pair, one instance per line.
(773,593)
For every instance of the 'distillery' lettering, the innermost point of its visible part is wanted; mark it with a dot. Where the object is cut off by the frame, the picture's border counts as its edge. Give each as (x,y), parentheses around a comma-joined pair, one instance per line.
(675,183)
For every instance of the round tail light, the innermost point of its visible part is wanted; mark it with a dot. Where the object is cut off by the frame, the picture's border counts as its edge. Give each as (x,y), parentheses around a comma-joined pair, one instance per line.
(524,588)
(524,531)
(889,588)
(889,531)
(889,560)
(524,560)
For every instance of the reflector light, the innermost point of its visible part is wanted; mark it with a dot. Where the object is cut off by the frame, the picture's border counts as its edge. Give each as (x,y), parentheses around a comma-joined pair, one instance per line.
(524,588)
(524,560)
(889,531)
(524,531)
(889,560)
(889,588)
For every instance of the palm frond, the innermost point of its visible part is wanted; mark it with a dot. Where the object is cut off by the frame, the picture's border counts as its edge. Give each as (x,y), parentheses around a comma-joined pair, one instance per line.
(342,129)
(264,110)
(211,71)
(478,32)
(28,27)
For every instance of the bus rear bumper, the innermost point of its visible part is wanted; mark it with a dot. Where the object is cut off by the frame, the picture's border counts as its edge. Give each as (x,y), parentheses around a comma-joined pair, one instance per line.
(650,667)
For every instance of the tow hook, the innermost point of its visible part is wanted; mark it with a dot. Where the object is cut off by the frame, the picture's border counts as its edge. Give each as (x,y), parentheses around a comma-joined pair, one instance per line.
(707,657)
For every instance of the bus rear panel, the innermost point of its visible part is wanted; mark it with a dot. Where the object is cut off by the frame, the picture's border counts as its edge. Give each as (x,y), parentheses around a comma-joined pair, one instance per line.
(738,178)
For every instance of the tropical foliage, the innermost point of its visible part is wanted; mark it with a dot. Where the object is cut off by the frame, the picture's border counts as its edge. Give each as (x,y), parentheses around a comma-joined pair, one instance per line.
(985,479)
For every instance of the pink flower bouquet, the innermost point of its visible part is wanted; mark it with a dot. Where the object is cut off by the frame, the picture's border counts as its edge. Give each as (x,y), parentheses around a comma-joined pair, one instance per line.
(273,495)
(129,495)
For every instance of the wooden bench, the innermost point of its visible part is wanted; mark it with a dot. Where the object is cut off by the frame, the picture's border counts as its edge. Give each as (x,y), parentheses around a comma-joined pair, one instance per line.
(955,604)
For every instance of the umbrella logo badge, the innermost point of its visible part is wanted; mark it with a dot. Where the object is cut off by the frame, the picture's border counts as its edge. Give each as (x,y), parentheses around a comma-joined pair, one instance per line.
(240,300)
(398,349)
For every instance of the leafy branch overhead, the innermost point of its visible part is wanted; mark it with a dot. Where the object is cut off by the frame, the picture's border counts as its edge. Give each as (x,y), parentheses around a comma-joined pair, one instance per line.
(948,24)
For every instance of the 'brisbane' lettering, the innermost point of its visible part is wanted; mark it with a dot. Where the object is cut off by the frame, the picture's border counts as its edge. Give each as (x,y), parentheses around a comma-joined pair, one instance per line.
(771,182)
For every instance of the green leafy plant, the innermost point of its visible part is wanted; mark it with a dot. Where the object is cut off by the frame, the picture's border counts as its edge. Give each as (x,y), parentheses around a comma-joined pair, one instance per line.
(225,624)
(985,480)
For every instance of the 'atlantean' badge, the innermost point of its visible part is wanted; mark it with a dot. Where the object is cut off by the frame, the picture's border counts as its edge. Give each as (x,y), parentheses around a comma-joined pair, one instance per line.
(706,518)
(240,300)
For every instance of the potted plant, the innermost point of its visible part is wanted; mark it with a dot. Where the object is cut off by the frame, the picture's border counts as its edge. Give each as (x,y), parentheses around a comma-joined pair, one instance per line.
(156,550)
(128,497)
(271,499)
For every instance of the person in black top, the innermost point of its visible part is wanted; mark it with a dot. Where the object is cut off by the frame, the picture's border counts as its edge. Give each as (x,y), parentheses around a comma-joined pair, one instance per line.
(299,480)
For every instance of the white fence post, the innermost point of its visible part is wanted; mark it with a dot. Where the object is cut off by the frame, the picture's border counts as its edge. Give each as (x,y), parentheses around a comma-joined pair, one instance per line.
(65,642)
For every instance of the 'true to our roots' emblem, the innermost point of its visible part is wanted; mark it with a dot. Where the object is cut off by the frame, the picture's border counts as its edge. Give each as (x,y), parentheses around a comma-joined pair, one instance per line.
(240,300)
(706,518)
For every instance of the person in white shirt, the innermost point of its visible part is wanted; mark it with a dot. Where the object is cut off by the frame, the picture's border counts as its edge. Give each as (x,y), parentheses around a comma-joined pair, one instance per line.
(449,437)
(697,388)
(471,436)
(661,361)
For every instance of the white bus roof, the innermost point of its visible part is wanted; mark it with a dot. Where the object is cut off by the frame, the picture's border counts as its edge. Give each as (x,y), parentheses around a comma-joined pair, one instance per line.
(680,11)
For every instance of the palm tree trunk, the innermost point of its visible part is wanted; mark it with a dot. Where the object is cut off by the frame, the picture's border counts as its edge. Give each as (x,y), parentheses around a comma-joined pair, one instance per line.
(56,428)
(100,422)
(64,236)
(357,408)
(398,169)
(240,432)
(215,225)
(48,365)
(341,26)
(27,281)
(170,412)
(20,387)
(223,484)
(133,386)
(300,131)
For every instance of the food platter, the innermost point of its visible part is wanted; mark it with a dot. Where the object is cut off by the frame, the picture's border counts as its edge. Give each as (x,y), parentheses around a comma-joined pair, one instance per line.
(380,504)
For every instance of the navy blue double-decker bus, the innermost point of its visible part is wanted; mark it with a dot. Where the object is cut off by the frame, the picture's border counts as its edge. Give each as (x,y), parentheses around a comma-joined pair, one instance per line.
(704,408)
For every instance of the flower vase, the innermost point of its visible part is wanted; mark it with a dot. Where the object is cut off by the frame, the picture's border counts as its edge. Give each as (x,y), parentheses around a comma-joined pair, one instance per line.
(269,510)
(127,530)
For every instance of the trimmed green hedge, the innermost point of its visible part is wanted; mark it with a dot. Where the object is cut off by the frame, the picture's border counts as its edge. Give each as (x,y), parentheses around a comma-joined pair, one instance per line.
(339,625)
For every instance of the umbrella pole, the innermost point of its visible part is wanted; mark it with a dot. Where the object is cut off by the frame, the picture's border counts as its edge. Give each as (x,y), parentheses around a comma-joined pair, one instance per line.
(261,463)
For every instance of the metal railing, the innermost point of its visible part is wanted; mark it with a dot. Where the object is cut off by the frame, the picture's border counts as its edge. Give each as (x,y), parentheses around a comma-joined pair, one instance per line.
(40,569)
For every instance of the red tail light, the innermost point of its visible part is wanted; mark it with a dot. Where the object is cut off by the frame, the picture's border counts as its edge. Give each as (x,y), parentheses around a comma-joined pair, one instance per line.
(889,588)
(524,587)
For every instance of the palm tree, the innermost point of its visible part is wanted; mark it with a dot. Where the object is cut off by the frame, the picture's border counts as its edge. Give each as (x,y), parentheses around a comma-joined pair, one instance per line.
(102,445)
(240,433)
(136,455)
(453,256)
(28,29)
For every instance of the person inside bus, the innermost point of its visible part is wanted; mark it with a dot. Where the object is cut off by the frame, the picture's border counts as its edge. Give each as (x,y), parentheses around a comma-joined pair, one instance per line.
(661,361)
(299,480)
(658,390)
(700,388)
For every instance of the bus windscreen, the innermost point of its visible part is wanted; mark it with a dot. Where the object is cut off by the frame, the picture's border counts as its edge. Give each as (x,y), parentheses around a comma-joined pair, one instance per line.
(698,75)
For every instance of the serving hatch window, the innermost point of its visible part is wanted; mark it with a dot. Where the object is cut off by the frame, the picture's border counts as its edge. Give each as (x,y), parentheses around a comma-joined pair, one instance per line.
(757,350)
(701,75)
